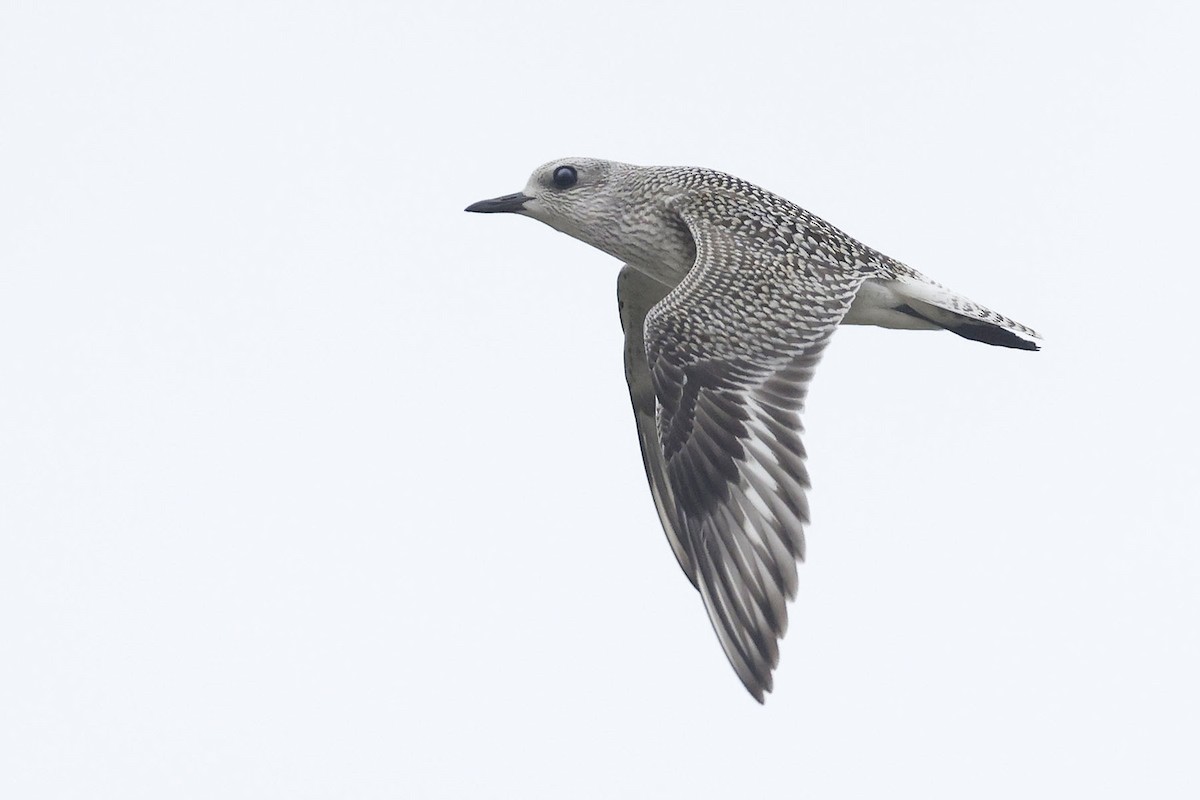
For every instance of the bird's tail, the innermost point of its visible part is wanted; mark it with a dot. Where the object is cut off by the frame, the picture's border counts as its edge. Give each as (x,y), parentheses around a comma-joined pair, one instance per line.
(945,309)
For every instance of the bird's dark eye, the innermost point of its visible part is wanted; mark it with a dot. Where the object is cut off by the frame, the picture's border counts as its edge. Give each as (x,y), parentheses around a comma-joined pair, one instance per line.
(565,177)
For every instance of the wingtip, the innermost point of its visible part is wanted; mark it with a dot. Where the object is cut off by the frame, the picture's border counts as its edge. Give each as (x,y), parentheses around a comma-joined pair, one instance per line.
(760,690)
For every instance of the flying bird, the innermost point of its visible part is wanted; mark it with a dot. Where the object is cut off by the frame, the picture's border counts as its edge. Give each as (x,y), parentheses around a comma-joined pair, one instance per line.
(728,297)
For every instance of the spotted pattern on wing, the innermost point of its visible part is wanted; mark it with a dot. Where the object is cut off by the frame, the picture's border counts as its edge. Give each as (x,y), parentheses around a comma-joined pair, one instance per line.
(731,352)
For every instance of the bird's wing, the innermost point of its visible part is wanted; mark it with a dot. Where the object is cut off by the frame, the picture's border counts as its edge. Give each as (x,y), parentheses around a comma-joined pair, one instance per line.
(731,351)
(636,294)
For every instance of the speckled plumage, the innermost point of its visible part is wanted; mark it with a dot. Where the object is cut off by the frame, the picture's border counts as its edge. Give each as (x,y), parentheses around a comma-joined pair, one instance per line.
(729,296)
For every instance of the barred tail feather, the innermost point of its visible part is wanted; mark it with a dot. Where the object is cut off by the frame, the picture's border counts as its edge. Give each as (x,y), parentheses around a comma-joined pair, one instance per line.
(957,314)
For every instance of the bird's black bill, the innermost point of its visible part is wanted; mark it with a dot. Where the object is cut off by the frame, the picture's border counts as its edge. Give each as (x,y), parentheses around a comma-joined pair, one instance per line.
(500,205)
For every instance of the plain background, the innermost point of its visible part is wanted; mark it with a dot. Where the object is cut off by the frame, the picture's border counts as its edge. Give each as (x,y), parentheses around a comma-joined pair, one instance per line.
(312,486)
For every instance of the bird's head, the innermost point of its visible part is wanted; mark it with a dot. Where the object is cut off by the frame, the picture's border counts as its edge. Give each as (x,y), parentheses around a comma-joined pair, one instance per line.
(574,195)
(615,207)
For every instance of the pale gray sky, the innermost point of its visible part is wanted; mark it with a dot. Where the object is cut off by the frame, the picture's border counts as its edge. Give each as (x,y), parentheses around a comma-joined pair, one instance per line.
(312,485)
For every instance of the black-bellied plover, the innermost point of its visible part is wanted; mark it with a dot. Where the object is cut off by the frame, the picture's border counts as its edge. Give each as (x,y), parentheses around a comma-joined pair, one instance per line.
(728,297)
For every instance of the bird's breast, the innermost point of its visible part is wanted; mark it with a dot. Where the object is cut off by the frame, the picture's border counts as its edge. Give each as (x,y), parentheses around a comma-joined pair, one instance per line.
(661,248)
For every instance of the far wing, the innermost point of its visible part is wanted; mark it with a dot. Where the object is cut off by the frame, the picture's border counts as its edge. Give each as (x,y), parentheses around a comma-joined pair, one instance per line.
(636,294)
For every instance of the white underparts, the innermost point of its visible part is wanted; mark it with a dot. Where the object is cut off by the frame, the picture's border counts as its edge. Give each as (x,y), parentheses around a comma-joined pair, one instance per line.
(876,304)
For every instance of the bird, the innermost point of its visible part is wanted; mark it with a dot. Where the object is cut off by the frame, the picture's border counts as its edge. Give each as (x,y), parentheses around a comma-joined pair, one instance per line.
(728,296)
